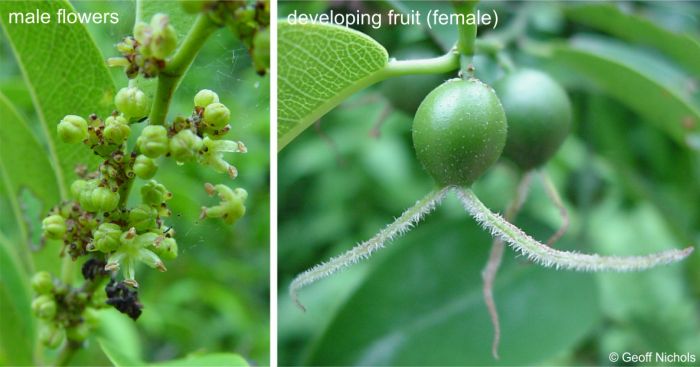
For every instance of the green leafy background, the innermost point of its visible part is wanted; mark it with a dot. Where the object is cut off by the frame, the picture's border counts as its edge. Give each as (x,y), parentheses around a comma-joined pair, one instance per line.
(211,307)
(629,174)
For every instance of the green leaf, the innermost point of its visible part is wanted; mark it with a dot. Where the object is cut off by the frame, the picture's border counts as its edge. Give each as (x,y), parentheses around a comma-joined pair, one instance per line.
(66,74)
(610,18)
(117,356)
(621,72)
(22,164)
(423,305)
(321,65)
(215,359)
(119,332)
(16,324)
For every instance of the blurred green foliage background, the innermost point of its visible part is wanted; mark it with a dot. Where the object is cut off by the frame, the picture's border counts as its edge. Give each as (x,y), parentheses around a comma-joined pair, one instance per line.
(629,174)
(215,295)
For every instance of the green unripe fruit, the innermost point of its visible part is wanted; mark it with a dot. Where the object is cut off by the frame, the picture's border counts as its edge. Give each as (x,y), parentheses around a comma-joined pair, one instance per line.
(216,115)
(51,336)
(117,129)
(104,199)
(153,141)
(143,217)
(78,333)
(167,249)
(185,145)
(42,282)
(145,167)
(54,227)
(106,238)
(91,316)
(44,307)
(205,97)
(539,116)
(132,102)
(154,194)
(72,129)
(163,38)
(405,93)
(459,131)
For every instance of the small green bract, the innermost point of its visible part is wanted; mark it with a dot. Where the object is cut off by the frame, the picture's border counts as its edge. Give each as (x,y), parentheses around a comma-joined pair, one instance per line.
(459,131)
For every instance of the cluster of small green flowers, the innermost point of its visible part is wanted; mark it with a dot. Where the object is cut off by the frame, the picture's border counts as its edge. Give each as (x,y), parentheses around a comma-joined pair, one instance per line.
(145,52)
(65,312)
(248,20)
(97,222)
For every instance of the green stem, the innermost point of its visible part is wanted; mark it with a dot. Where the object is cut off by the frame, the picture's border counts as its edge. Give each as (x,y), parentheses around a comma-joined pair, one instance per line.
(437,65)
(467,36)
(170,77)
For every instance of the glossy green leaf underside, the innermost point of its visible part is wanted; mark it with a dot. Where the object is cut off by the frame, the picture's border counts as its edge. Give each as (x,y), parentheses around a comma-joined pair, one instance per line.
(319,66)
(23,162)
(16,321)
(670,109)
(609,18)
(423,305)
(66,74)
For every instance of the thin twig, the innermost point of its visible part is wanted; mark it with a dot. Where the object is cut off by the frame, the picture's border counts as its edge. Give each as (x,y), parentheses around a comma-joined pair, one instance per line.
(401,225)
(494,261)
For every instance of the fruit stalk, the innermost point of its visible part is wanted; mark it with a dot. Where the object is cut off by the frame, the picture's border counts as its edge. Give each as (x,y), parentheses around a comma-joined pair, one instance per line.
(467,36)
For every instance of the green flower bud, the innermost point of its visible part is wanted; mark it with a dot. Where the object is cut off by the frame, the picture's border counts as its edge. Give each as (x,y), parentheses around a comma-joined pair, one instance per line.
(185,145)
(232,205)
(163,38)
(143,217)
(78,333)
(85,196)
(145,167)
(166,249)
(104,200)
(216,115)
(261,51)
(153,141)
(205,97)
(132,102)
(42,282)
(126,46)
(51,336)
(154,194)
(72,129)
(77,187)
(142,34)
(54,227)
(117,129)
(106,238)
(44,307)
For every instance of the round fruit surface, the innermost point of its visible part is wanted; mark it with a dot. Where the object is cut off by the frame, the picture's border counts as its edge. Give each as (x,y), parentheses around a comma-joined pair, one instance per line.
(539,117)
(459,131)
